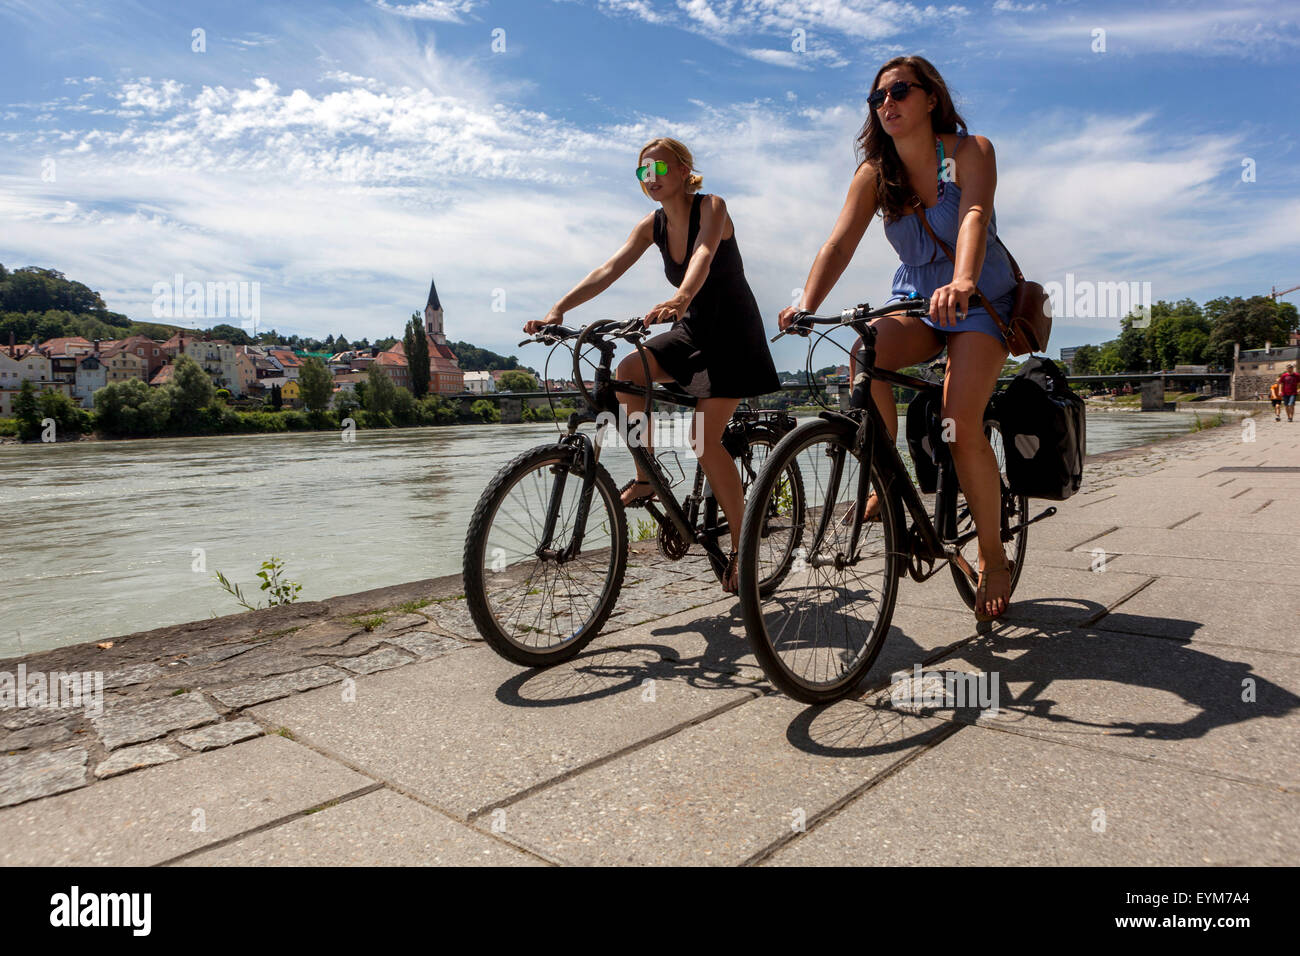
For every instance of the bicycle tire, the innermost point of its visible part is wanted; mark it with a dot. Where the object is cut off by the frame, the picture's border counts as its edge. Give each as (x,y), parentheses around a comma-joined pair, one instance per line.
(475,556)
(769,656)
(767,437)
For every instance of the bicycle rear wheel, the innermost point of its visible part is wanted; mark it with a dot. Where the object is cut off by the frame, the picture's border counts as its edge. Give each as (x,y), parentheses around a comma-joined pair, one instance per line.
(953,519)
(819,630)
(533,602)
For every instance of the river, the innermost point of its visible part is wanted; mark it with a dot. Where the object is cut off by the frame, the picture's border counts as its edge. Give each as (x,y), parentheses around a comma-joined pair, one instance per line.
(107,538)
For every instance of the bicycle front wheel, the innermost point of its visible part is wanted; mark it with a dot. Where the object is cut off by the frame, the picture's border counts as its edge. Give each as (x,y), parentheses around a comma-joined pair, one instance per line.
(819,630)
(535,598)
(784,513)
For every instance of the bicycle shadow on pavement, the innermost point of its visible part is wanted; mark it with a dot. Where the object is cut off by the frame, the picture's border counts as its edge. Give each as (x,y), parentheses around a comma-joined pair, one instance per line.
(1037,657)
(615,668)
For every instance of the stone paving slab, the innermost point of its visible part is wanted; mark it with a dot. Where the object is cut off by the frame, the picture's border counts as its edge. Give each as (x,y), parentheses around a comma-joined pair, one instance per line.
(271,688)
(1148,698)
(131,724)
(1204,570)
(1218,545)
(469,730)
(380,660)
(220,735)
(135,758)
(1124,511)
(147,817)
(1270,520)
(1044,594)
(1240,613)
(377,829)
(1021,801)
(1061,532)
(29,776)
(707,795)
(426,644)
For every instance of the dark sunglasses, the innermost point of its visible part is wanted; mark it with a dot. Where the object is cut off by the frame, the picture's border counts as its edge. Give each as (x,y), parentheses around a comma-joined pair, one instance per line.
(898,91)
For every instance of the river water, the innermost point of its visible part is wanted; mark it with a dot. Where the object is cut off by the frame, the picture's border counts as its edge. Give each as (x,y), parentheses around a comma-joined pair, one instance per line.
(107,538)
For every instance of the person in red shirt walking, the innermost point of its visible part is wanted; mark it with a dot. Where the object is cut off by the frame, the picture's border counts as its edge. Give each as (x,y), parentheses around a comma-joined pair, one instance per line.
(1289,381)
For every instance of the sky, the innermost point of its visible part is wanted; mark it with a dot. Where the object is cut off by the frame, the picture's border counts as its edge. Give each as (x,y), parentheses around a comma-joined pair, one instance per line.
(339,154)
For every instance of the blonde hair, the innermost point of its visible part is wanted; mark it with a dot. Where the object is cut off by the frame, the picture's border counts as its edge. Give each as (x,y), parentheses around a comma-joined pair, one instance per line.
(694,181)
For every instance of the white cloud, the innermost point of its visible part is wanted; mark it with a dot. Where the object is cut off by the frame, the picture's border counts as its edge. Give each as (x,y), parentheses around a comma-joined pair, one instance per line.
(342,200)
(448,11)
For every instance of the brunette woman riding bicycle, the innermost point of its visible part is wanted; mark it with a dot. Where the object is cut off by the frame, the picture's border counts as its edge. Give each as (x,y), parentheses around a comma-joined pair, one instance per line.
(915,148)
(716,349)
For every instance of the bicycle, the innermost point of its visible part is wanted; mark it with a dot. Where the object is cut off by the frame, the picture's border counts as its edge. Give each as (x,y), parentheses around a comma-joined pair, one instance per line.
(547,546)
(817,635)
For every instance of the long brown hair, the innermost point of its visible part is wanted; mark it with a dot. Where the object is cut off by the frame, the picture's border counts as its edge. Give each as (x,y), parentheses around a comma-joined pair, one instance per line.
(875,146)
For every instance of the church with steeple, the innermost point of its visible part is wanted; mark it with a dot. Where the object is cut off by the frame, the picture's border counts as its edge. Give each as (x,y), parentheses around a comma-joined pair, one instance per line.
(445,375)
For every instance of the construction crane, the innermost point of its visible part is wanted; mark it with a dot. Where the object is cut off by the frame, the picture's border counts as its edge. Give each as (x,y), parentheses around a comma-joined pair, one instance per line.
(1277,295)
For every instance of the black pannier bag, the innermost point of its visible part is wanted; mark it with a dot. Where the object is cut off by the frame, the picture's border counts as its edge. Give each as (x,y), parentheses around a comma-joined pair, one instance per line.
(922,433)
(1043,430)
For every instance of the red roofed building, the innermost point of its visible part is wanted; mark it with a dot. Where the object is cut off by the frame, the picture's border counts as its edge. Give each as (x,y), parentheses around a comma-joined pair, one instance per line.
(394,363)
(445,375)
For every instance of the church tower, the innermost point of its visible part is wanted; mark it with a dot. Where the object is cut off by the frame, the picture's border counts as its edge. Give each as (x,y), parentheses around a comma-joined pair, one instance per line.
(433,316)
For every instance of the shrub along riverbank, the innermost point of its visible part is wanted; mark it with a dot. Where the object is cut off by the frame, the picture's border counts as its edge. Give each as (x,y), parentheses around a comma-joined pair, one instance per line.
(190,405)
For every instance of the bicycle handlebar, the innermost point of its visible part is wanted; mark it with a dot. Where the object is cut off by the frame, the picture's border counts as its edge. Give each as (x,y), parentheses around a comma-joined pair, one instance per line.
(804,321)
(630,330)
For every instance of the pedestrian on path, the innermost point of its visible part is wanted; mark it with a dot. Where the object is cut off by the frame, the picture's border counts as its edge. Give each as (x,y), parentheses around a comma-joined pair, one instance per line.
(1289,381)
(1275,396)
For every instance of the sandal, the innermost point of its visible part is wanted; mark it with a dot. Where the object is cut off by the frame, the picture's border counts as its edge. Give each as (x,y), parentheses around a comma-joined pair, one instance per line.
(981,592)
(867,516)
(733,571)
(637,501)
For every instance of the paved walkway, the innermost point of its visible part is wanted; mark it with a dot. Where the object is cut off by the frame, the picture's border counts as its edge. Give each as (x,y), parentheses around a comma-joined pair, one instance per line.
(1149,671)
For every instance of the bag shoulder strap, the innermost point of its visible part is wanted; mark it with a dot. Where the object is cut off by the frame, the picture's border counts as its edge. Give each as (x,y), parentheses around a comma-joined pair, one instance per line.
(919,210)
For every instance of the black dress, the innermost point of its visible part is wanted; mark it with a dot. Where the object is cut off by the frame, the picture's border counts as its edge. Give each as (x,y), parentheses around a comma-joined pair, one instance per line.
(718,349)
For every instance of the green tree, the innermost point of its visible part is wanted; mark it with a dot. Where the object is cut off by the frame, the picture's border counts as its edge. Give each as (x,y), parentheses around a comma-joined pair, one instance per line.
(1109,359)
(231,334)
(406,411)
(437,410)
(1085,360)
(315,384)
(1252,322)
(1132,345)
(518,381)
(132,408)
(380,391)
(346,402)
(1192,347)
(485,410)
(27,411)
(69,419)
(191,389)
(416,345)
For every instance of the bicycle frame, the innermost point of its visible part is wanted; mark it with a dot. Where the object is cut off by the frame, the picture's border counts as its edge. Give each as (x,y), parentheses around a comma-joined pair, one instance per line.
(924,542)
(588,451)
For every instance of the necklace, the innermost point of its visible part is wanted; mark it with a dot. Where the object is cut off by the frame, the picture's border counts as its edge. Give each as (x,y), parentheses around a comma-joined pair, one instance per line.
(938,148)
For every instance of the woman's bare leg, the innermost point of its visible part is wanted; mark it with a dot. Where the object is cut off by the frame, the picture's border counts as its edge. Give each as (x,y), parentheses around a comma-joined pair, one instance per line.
(710,419)
(974,362)
(901,340)
(631,370)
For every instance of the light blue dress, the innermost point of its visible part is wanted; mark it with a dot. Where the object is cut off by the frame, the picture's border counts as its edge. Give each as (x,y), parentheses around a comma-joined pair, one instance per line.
(925,267)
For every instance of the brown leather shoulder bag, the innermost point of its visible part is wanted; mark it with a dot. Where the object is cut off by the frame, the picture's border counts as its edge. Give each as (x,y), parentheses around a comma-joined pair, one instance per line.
(1031,311)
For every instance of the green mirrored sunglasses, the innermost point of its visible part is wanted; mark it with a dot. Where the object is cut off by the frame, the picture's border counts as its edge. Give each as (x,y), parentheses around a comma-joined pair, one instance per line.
(661,169)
